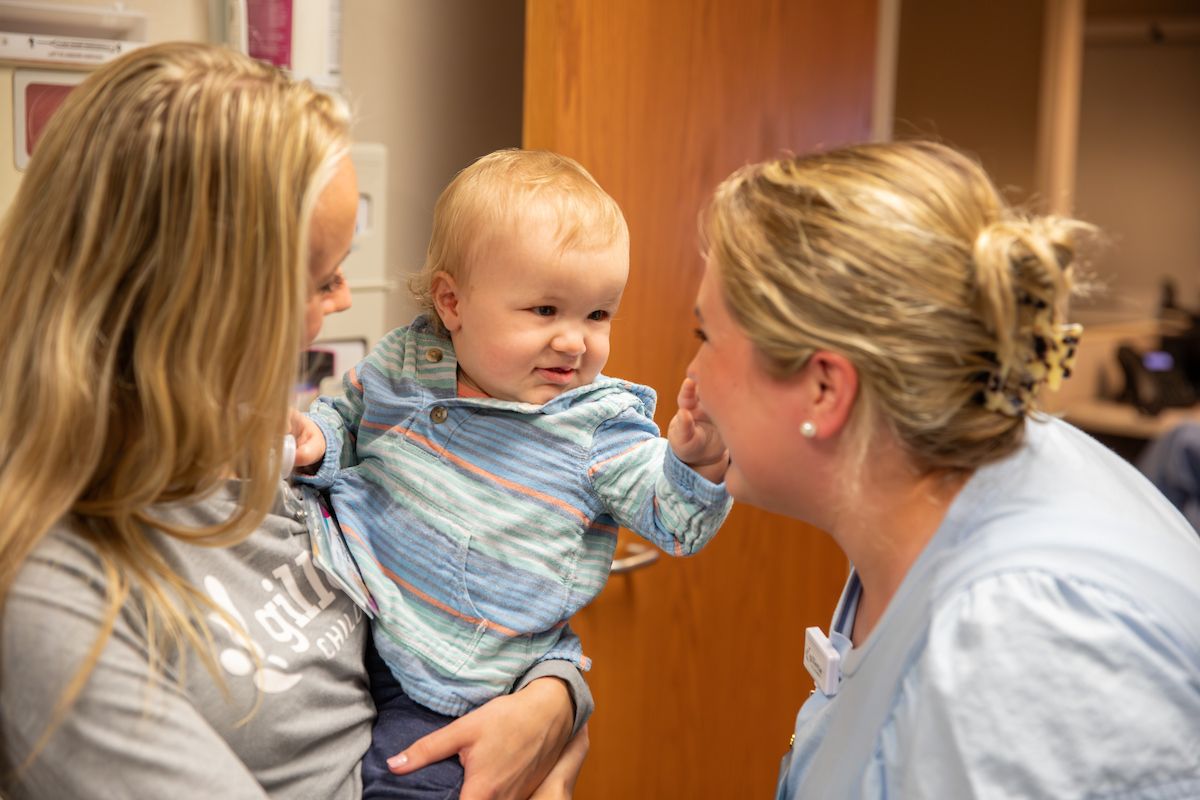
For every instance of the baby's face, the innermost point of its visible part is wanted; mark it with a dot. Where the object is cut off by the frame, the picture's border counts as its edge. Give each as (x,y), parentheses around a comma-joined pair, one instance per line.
(533,319)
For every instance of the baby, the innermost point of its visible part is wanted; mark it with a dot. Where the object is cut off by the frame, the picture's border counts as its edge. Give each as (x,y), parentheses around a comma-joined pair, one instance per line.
(479,464)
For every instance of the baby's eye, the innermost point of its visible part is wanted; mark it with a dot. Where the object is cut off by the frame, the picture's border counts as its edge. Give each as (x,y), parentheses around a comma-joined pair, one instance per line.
(544,311)
(599,315)
(700,334)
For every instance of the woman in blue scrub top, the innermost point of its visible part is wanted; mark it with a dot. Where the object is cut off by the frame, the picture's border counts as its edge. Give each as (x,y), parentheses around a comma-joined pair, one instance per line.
(1023,616)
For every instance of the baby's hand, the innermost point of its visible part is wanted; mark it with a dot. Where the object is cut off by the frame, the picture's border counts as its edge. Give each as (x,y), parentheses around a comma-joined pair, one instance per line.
(310,442)
(694,438)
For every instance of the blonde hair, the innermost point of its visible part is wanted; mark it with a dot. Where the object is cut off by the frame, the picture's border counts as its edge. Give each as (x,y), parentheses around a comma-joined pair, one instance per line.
(904,258)
(497,191)
(153,279)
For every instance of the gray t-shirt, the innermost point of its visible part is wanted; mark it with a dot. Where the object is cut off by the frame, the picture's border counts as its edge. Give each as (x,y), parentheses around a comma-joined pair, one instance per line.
(300,734)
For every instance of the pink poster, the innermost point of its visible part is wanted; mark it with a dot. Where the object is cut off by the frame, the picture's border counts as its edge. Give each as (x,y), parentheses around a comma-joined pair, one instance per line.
(41,101)
(269,31)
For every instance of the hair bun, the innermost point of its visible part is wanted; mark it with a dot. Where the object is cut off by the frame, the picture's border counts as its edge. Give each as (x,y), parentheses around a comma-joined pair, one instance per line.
(1024,277)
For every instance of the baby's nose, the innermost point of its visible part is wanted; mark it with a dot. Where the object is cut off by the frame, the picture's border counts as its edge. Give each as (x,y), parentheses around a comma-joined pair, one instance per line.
(569,341)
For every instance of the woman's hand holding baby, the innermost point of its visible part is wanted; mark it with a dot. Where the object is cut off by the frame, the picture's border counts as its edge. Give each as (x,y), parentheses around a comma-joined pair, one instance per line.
(694,438)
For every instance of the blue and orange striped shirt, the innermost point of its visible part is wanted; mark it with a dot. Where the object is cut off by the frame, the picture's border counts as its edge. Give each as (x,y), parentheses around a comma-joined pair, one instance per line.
(479,526)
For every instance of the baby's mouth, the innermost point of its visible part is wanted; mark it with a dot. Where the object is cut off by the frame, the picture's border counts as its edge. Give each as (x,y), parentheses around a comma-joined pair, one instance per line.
(558,374)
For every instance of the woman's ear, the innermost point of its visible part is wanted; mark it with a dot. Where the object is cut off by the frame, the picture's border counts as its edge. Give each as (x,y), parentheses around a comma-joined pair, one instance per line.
(446,300)
(832,389)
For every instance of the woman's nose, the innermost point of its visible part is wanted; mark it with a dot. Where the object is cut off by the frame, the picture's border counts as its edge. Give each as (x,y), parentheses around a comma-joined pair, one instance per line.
(338,300)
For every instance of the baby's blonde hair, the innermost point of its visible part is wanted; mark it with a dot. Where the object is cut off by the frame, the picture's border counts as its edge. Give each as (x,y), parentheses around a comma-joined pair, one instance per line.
(904,258)
(153,281)
(498,192)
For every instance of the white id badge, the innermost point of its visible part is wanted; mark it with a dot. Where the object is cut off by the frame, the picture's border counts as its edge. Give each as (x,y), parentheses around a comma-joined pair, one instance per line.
(823,661)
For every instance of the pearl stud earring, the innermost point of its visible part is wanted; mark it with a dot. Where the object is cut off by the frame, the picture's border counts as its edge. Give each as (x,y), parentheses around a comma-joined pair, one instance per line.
(808,429)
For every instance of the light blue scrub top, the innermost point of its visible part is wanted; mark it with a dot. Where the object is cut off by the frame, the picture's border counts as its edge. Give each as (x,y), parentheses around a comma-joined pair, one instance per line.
(1046,643)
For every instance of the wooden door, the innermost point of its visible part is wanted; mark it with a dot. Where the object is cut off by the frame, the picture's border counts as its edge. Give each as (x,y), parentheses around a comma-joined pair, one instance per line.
(697,662)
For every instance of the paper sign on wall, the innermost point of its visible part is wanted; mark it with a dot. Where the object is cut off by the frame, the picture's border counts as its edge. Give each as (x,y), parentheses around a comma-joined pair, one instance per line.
(37,94)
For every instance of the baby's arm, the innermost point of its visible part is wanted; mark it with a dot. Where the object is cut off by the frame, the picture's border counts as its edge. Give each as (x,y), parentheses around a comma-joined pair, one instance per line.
(326,435)
(693,437)
(310,442)
(647,488)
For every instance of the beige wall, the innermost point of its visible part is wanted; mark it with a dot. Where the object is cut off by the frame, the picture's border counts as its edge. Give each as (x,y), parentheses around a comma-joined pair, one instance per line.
(9,177)
(969,74)
(165,20)
(439,84)
(1138,173)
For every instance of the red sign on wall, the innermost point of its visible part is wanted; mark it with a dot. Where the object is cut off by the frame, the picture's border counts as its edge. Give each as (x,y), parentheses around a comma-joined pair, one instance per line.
(37,95)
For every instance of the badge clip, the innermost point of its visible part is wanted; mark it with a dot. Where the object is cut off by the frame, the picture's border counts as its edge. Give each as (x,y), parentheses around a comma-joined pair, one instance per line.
(823,661)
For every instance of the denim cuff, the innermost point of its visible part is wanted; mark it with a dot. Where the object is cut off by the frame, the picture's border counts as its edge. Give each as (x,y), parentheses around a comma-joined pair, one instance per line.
(693,484)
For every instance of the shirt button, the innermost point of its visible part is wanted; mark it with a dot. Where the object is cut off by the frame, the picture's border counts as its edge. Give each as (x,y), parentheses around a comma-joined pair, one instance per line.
(433,354)
(439,414)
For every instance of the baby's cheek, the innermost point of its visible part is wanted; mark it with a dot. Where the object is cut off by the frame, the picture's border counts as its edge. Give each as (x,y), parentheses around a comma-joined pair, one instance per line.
(599,351)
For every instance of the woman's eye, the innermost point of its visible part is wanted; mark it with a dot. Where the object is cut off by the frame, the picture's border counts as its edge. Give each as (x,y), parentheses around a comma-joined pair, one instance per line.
(599,315)
(700,334)
(544,311)
(334,284)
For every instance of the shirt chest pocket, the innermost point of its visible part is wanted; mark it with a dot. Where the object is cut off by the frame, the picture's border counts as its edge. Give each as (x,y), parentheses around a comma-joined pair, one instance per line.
(517,546)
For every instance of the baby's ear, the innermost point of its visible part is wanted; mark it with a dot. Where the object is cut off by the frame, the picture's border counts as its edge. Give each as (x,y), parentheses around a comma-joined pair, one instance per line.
(446,298)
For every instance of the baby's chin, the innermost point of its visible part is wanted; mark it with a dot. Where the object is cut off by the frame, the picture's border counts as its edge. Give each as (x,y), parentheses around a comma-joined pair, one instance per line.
(544,394)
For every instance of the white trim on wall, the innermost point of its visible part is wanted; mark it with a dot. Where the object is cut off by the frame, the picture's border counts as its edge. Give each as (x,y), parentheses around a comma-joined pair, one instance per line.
(1058,105)
(887,49)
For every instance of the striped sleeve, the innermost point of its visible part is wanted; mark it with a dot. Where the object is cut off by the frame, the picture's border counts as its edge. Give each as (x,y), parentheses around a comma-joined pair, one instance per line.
(649,490)
(338,418)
